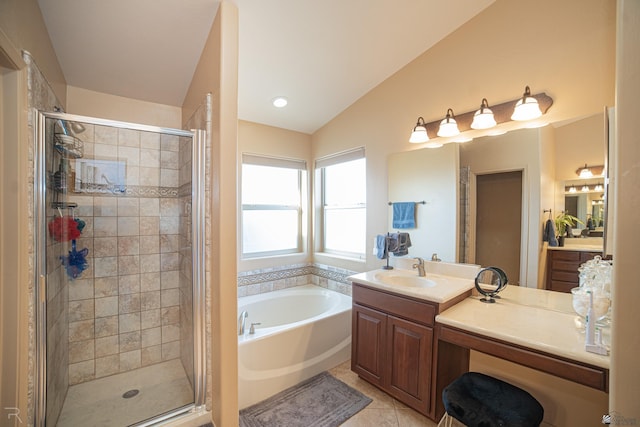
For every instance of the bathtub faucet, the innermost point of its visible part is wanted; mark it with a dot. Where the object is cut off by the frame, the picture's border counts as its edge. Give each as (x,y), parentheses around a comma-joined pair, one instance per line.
(243,316)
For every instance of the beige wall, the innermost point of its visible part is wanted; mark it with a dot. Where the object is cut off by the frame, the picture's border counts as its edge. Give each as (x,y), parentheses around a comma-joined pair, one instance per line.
(105,106)
(473,63)
(256,138)
(507,46)
(217,73)
(579,143)
(22,22)
(625,372)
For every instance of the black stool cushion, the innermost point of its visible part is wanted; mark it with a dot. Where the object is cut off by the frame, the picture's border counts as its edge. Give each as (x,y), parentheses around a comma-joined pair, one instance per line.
(478,400)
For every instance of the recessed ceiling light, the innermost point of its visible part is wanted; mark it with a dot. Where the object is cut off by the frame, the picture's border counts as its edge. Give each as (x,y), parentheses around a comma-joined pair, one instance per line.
(280,101)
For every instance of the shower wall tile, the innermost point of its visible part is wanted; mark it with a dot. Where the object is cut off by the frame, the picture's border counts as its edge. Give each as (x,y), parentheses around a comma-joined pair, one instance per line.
(128,137)
(149,300)
(105,247)
(128,245)
(149,282)
(105,266)
(105,226)
(81,372)
(105,286)
(82,330)
(151,337)
(150,207)
(125,311)
(106,346)
(151,355)
(130,360)
(106,326)
(149,245)
(150,140)
(107,306)
(150,157)
(129,322)
(81,289)
(81,350)
(108,365)
(81,310)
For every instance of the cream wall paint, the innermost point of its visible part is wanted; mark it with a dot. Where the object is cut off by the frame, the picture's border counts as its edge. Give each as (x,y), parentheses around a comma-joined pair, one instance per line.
(217,73)
(256,138)
(473,63)
(432,176)
(625,373)
(22,22)
(546,45)
(516,150)
(579,143)
(106,106)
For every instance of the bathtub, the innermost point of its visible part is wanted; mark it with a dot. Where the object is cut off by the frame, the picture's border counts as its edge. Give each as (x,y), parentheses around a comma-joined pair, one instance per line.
(303,331)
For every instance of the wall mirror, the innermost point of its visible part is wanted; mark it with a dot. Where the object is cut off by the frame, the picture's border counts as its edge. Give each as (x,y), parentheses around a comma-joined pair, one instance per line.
(543,163)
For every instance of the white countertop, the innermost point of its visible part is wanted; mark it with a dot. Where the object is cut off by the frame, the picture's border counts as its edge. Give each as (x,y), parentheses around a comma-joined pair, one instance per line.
(576,247)
(533,318)
(447,287)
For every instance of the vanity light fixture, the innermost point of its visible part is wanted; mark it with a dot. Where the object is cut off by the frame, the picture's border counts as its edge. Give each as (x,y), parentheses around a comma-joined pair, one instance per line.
(478,122)
(573,189)
(584,172)
(598,187)
(483,118)
(585,189)
(448,126)
(527,108)
(280,101)
(419,133)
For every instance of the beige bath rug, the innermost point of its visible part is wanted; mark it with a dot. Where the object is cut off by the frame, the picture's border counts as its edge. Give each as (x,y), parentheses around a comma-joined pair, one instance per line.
(321,401)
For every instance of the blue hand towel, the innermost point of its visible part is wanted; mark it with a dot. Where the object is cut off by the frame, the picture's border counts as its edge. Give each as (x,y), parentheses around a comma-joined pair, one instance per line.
(404,215)
(381,247)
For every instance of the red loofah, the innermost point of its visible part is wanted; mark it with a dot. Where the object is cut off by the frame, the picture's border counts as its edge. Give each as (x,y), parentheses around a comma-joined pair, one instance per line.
(64,229)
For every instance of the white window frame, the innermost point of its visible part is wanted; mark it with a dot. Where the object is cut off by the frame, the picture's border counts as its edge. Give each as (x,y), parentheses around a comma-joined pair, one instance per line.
(300,166)
(320,165)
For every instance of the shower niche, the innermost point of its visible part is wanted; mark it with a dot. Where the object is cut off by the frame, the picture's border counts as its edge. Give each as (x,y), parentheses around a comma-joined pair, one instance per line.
(120,272)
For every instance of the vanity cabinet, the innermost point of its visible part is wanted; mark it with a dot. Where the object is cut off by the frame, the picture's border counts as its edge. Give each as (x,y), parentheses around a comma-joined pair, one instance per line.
(393,344)
(562,268)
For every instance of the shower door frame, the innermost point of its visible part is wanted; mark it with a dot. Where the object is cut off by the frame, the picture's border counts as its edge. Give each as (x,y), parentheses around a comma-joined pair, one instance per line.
(198,139)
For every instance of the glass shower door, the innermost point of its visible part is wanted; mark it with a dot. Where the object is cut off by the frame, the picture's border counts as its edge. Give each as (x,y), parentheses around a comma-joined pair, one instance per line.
(119,249)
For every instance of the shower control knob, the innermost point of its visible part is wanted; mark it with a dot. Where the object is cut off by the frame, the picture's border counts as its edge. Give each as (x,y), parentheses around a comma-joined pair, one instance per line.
(252,329)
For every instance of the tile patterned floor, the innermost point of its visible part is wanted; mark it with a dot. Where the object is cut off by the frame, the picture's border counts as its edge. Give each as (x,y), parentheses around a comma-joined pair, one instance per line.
(99,403)
(384,411)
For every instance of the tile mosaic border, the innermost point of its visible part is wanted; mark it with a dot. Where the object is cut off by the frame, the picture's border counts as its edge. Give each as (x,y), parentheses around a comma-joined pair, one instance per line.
(128,191)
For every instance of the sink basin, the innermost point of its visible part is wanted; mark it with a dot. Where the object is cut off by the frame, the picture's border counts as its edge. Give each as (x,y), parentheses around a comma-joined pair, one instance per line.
(405,280)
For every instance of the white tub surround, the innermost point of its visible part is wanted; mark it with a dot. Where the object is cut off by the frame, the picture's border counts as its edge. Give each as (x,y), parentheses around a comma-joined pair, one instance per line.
(303,331)
(532,327)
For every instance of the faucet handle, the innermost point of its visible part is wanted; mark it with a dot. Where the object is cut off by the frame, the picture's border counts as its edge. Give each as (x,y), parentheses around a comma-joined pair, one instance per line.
(252,329)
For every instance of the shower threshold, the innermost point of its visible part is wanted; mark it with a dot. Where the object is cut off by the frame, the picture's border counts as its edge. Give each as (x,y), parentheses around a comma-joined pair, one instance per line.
(112,401)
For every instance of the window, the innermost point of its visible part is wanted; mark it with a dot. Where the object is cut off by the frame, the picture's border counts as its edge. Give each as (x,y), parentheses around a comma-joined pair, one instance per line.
(343,182)
(272,192)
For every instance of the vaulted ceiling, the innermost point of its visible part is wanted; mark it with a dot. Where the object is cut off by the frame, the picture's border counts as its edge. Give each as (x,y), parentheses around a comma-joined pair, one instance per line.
(321,55)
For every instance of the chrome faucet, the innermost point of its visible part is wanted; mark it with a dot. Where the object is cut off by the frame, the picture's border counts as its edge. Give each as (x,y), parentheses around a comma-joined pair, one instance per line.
(241,320)
(420,267)
(434,257)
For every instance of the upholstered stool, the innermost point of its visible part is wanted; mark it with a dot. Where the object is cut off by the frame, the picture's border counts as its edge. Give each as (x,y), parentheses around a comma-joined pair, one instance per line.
(478,400)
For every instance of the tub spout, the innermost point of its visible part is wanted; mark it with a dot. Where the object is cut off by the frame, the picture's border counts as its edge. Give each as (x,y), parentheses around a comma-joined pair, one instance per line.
(243,316)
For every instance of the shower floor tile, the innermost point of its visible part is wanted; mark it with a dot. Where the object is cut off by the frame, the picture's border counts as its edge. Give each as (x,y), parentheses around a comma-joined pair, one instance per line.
(162,387)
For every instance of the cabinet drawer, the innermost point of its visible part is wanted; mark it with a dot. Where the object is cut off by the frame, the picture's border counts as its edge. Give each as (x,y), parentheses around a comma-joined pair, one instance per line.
(566,276)
(560,286)
(565,255)
(416,311)
(565,265)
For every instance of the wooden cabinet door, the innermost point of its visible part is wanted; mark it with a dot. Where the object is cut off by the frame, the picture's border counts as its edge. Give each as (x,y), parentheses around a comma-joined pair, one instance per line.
(409,353)
(368,344)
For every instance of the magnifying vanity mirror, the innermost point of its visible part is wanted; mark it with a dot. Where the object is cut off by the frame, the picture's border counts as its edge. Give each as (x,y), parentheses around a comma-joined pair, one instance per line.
(541,165)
